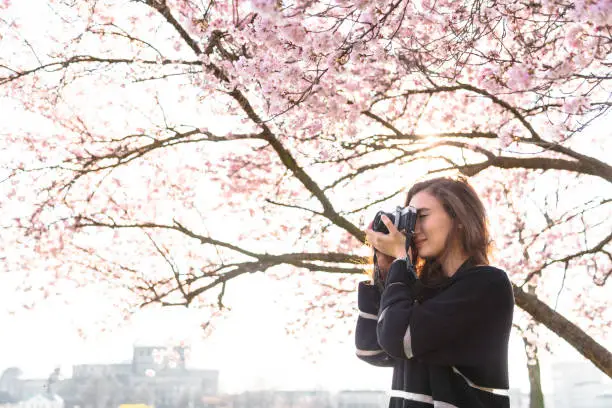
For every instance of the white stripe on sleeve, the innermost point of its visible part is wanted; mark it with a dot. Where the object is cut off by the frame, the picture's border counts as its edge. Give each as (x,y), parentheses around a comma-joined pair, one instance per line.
(382,314)
(420,398)
(411,396)
(408,344)
(367,353)
(368,315)
(496,391)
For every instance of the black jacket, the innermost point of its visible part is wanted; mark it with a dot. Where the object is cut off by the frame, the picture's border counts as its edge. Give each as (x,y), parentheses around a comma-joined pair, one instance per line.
(448,349)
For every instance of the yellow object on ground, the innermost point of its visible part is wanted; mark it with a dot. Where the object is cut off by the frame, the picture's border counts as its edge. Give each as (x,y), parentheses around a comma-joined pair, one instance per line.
(135,406)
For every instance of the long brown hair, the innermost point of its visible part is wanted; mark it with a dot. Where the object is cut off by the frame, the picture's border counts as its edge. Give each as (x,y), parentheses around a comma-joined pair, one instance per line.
(462,204)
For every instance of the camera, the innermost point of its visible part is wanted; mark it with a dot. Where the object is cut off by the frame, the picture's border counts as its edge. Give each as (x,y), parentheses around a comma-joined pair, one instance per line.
(404,219)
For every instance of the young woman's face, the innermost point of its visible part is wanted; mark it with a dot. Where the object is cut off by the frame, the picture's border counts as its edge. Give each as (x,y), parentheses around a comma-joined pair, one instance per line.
(432,227)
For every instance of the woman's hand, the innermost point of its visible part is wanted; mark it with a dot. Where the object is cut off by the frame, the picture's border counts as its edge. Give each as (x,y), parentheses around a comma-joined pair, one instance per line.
(392,244)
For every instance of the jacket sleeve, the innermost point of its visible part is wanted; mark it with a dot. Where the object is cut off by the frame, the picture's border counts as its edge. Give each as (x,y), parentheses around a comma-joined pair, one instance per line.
(436,330)
(366,341)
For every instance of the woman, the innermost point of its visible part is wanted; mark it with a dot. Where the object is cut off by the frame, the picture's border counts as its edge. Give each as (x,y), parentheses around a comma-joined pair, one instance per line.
(444,323)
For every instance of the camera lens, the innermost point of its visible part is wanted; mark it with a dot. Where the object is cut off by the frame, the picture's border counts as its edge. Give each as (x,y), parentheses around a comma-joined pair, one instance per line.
(378,225)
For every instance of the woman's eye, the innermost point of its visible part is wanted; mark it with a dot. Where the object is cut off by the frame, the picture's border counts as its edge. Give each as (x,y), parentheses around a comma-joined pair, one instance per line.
(422,216)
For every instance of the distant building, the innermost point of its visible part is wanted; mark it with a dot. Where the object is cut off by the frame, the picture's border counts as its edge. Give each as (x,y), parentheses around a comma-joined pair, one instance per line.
(9,383)
(101,370)
(283,399)
(44,400)
(6,400)
(362,399)
(29,388)
(157,376)
(580,385)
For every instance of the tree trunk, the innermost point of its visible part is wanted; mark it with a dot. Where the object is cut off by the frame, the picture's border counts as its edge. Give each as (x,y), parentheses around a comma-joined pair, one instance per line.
(536,397)
(565,329)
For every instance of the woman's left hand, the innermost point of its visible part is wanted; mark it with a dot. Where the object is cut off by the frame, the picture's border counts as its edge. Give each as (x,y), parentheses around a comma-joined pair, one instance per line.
(392,244)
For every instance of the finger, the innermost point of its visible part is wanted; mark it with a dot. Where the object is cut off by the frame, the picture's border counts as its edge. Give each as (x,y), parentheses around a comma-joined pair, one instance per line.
(388,223)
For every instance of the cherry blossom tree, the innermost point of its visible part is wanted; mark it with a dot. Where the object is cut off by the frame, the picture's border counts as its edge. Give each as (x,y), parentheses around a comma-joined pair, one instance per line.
(159,149)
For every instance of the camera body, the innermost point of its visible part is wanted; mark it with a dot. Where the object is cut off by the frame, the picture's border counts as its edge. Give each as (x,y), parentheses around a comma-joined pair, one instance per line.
(404,219)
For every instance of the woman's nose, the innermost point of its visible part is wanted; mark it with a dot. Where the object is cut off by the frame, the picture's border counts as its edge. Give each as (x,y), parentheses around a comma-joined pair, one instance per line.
(417,226)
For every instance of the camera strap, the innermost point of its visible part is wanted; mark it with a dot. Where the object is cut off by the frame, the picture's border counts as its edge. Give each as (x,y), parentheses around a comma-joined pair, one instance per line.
(378,281)
(407,246)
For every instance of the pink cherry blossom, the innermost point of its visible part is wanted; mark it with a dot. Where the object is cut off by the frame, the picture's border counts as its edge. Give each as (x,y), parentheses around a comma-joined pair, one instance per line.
(519,77)
(576,104)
